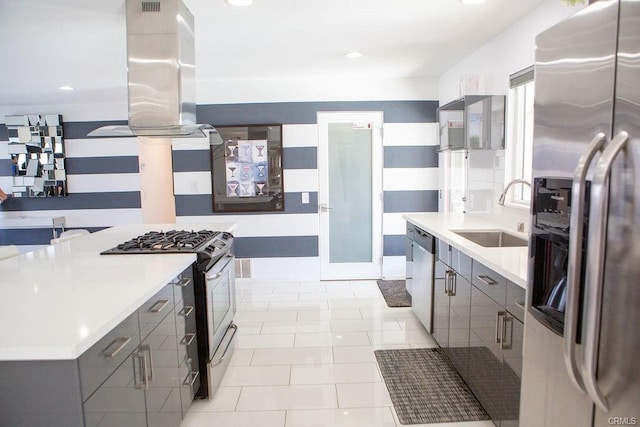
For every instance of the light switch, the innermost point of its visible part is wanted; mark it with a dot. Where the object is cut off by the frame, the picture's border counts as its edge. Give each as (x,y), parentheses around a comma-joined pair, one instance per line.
(305,198)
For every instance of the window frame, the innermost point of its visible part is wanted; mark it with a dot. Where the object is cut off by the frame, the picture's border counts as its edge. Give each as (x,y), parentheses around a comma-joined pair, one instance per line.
(519,146)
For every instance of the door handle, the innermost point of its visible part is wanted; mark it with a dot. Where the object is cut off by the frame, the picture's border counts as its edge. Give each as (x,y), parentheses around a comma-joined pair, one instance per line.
(574,264)
(324,207)
(448,277)
(148,365)
(500,327)
(454,284)
(594,283)
(507,344)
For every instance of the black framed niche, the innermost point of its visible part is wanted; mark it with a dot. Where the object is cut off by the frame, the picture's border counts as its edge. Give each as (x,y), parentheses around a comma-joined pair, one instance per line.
(247,168)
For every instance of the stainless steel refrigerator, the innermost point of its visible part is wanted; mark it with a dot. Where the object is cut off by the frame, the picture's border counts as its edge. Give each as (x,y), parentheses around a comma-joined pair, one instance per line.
(582,330)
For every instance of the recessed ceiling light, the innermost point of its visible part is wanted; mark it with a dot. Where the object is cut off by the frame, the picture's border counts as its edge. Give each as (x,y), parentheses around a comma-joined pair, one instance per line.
(472,1)
(353,54)
(65,87)
(240,2)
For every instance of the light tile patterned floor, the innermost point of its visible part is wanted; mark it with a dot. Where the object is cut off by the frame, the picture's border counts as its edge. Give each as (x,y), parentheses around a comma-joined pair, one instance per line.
(304,357)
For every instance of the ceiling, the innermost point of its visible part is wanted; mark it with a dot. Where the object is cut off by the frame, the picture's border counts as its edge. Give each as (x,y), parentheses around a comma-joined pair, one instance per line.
(48,43)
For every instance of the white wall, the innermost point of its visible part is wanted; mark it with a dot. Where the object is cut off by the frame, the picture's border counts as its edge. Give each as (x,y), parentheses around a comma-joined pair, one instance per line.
(491,65)
(510,51)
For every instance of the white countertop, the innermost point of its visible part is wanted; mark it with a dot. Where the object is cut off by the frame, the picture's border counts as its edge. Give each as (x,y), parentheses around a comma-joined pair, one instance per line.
(511,262)
(56,302)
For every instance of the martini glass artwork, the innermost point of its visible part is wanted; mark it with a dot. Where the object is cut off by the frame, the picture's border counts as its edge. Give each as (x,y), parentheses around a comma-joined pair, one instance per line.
(246,187)
(232,169)
(260,148)
(246,149)
(246,171)
(260,186)
(260,170)
(232,150)
(233,188)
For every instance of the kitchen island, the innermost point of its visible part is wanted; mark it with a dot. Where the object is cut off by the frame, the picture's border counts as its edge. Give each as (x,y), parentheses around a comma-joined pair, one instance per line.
(58,302)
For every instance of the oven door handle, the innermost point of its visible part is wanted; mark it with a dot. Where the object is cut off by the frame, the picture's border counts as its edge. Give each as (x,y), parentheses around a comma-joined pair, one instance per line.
(218,273)
(226,349)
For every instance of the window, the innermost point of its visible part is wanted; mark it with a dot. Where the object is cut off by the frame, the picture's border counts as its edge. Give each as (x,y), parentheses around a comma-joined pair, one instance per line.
(520,135)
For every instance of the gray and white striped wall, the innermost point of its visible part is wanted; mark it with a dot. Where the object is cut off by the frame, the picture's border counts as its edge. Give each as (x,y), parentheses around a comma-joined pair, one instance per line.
(104,184)
(284,245)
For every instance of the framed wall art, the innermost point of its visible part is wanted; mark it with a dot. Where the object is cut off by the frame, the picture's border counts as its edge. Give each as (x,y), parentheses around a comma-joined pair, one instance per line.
(247,168)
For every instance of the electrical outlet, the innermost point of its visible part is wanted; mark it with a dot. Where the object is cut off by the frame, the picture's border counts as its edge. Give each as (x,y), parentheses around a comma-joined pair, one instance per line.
(305,198)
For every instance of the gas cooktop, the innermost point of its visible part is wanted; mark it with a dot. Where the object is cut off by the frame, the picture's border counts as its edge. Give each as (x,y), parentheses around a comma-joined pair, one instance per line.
(172,241)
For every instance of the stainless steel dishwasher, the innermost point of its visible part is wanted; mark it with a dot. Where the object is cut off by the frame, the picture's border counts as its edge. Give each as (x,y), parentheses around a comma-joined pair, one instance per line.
(420,259)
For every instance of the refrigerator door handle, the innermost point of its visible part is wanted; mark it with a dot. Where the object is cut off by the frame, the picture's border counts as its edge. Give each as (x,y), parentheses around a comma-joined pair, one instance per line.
(595,268)
(578,190)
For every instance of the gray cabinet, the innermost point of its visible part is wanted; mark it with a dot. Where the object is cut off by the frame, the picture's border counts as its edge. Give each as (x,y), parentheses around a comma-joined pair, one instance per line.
(139,374)
(452,301)
(495,360)
(186,339)
(478,323)
(145,389)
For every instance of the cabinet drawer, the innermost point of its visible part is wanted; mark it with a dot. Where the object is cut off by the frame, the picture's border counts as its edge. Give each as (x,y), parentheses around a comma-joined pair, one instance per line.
(105,356)
(461,263)
(183,284)
(443,252)
(155,310)
(490,282)
(516,297)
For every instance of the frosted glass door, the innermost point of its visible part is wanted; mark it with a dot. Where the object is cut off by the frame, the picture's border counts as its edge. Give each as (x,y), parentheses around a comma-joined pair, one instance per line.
(350,169)
(349,194)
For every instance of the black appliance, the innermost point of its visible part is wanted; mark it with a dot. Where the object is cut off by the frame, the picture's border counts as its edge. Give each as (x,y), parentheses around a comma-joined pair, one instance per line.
(211,248)
(550,247)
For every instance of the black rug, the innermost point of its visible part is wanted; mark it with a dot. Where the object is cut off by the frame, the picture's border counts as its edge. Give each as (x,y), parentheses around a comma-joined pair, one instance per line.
(395,293)
(424,388)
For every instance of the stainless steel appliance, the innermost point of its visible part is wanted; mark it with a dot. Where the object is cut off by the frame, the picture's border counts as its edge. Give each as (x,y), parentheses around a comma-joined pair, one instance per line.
(420,269)
(214,291)
(160,72)
(581,341)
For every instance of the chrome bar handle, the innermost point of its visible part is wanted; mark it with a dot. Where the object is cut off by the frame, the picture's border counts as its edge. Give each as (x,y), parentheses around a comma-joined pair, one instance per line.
(574,264)
(148,367)
(507,344)
(116,346)
(191,378)
(141,357)
(186,311)
(226,349)
(499,326)
(487,280)
(220,270)
(158,306)
(187,339)
(184,282)
(447,280)
(454,284)
(595,268)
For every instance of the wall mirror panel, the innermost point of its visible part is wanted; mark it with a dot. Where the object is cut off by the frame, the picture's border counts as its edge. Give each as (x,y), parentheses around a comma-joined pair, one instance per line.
(36,147)
(247,169)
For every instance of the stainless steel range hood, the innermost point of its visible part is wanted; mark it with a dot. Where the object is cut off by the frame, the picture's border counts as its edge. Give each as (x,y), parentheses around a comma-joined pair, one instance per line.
(160,72)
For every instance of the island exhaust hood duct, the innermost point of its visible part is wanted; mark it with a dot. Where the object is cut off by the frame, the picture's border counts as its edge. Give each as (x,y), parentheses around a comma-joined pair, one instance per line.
(160,73)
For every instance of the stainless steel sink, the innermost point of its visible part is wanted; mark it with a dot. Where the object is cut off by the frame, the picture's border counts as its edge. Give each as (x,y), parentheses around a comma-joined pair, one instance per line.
(492,238)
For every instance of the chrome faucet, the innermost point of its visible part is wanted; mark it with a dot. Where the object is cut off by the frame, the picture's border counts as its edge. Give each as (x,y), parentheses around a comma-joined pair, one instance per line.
(506,188)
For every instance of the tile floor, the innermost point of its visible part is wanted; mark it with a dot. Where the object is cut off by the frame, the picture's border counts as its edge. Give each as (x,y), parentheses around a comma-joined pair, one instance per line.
(304,357)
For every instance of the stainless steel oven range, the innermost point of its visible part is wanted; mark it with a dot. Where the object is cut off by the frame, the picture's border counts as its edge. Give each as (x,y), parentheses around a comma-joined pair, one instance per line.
(214,291)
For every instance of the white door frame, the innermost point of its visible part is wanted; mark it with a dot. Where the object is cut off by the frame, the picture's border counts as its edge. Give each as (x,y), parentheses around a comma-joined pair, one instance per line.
(345,271)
